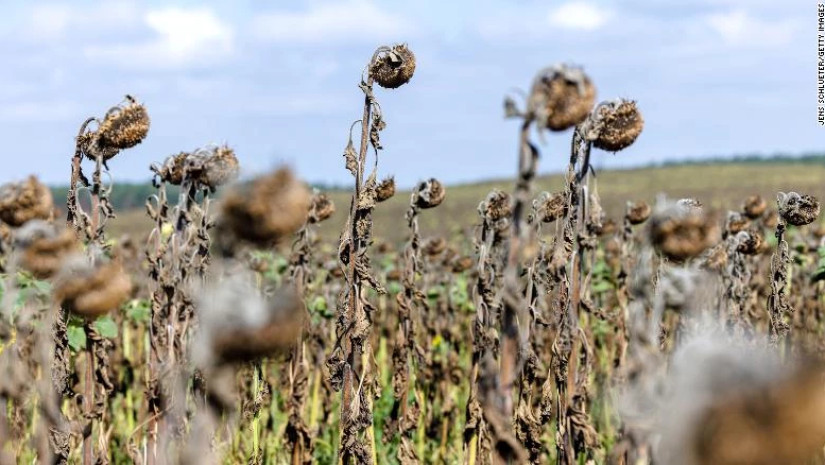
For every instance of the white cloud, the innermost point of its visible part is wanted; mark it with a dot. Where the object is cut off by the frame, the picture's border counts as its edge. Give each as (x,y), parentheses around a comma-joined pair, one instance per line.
(579,16)
(181,37)
(738,27)
(322,23)
(47,22)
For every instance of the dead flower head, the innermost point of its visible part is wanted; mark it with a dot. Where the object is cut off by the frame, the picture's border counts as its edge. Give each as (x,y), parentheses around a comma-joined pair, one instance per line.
(562,97)
(497,206)
(90,290)
(385,189)
(550,207)
(797,209)
(393,67)
(321,208)
(220,167)
(434,246)
(209,167)
(637,213)
(732,404)
(24,201)
(749,242)
(123,127)
(754,207)
(615,125)
(173,168)
(266,210)
(736,222)
(429,194)
(43,247)
(461,264)
(238,324)
(609,227)
(681,232)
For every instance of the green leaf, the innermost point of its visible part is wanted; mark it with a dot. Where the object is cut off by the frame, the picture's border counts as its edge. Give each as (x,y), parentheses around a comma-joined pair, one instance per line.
(138,311)
(106,327)
(77,338)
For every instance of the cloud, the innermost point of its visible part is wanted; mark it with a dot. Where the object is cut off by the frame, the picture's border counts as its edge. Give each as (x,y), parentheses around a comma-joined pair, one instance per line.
(324,23)
(738,27)
(579,16)
(180,37)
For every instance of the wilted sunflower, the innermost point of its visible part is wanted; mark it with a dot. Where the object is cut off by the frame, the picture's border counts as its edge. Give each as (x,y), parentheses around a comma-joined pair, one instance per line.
(24,201)
(393,67)
(321,208)
(264,211)
(429,194)
(91,290)
(754,207)
(385,189)
(497,206)
(239,325)
(562,97)
(550,207)
(680,232)
(219,167)
(797,209)
(638,213)
(43,247)
(615,125)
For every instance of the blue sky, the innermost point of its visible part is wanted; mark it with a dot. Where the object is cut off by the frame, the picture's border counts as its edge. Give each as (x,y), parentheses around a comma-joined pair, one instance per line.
(278,80)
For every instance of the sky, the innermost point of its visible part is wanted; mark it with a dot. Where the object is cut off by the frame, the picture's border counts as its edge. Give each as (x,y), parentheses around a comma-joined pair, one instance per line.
(278,81)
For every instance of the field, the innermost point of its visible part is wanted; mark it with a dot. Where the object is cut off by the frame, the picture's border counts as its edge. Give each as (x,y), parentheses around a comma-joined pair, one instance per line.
(720,186)
(668,315)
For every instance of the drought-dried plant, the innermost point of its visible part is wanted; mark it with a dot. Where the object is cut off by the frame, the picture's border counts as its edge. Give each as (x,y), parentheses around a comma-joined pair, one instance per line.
(405,415)
(665,336)
(349,364)
(797,210)
(299,433)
